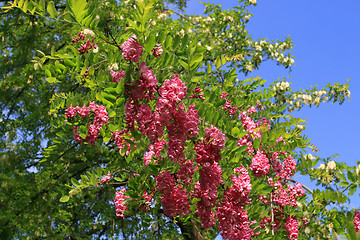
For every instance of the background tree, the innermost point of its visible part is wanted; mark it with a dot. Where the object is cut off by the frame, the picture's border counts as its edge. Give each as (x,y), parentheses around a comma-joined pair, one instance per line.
(48,70)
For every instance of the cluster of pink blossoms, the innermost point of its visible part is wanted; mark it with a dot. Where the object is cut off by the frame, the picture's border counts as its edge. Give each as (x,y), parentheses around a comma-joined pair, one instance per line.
(157,50)
(84,48)
(119,139)
(357,221)
(198,93)
(131,49)
(119,202)
(117,76)
(78,37)
(174,199)
(291,226)
(148,198)
(260,164)
(100,118)
(227,106)
(208,156)
(105,179)
(233,220)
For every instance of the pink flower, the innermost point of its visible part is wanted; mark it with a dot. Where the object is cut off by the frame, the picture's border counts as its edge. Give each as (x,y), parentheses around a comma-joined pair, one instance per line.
(260,164)
(157,50)
(174,89)
(105,179)
(100,118)
(291,226)
(132,50)
(117,76)
(357,221)
(119,203)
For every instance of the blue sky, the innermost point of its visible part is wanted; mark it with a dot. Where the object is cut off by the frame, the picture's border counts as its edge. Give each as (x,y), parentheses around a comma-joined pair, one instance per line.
(325,35)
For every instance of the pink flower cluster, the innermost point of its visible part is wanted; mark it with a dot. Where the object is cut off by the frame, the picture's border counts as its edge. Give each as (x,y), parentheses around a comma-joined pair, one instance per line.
(146,205)
(284,169)
(119,139)
(143,88)
(84,48)
(174,199)
(233,219)
(131,49)
(260,164)
(286,196)
(357,221)
(291,226)
(157,50)
(208,156)
(105,179)
(119,203)
(227,106)
(117,76)
(198,93)
(78,37)
(100,118)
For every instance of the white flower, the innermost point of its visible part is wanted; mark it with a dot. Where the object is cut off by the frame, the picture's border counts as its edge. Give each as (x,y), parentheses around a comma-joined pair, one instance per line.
(252,2)
(95,50)
(348,93)
(309,156)
(258,48)
(247,17)
(301,127)
(208,48)
(357,171)
(317,100)
(322,166)
(162,16)
(114,67)
(88,32)
(153,22)
(331,166)
(181,33)
(249,67)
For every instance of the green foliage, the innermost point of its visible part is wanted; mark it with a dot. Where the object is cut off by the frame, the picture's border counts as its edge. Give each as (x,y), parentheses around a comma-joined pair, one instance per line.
(52,183)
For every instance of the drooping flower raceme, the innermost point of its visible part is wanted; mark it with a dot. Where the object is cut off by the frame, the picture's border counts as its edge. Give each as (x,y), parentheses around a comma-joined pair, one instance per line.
(119,203)
(260,164)
(131,49)
(157,50)
(117,76)
(100,118)
(357,221)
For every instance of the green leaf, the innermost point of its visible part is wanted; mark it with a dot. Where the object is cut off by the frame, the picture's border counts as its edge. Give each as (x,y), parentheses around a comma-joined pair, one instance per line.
(266,190)
(47,73)
(51,9)
(168,42)
(184,64)
(235,131)
(196,58)
(352,189)
(176,42)
(75,182)
(64,198)
(351,177)
(51,79)
(150,43)
(341,176)
(343,184)
(24,7)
